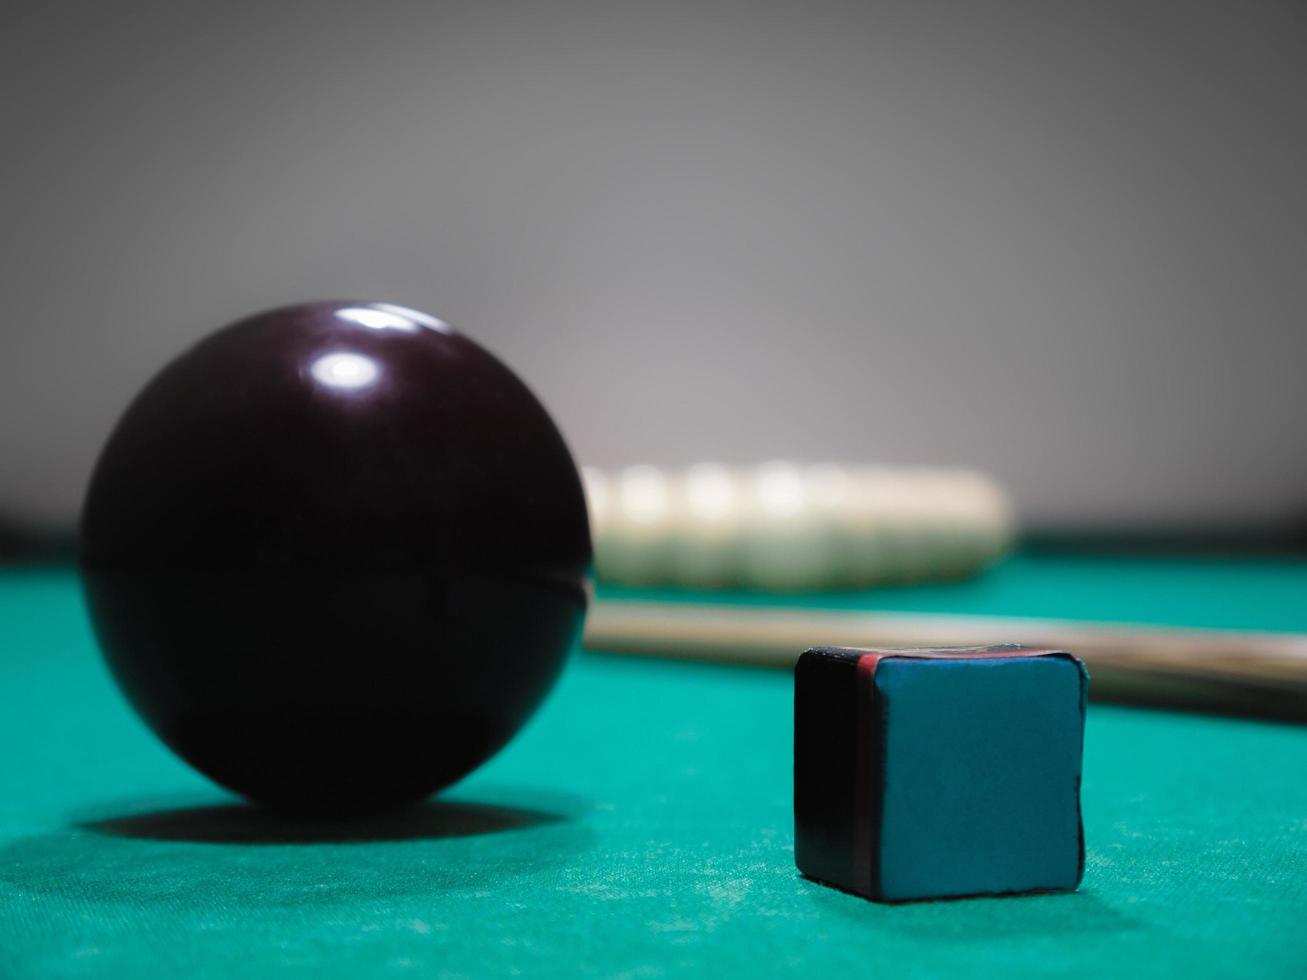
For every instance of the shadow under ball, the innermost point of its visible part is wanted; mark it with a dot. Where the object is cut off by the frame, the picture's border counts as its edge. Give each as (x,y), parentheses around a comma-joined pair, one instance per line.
(335,555)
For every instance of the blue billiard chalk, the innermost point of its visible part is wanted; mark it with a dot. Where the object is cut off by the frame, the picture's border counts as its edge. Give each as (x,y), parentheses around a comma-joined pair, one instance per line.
(939,773)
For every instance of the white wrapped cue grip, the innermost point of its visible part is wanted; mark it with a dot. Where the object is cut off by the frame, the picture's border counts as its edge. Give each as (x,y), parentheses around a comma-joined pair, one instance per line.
(789,527)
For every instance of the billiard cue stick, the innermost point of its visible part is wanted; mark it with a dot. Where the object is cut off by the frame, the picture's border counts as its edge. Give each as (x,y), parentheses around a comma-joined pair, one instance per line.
(1256,673)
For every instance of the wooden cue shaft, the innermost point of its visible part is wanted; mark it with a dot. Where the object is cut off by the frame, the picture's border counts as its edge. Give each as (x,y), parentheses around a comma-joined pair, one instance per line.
(1224,670)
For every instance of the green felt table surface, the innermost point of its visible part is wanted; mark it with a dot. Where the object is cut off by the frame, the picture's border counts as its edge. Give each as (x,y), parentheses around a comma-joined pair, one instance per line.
(641,826)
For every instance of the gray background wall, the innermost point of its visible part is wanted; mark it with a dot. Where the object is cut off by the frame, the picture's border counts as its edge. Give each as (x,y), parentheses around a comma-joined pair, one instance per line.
(1067,242)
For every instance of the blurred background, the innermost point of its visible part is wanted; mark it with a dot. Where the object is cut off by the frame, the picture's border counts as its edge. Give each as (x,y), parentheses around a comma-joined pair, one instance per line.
(1064,243)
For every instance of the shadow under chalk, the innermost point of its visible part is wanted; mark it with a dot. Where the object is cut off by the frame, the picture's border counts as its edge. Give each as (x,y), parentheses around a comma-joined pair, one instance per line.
(969,920)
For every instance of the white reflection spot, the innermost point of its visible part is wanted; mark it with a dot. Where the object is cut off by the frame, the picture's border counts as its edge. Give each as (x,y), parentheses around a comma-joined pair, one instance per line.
(377,319)
(345,370)
(413,316)
(388,316)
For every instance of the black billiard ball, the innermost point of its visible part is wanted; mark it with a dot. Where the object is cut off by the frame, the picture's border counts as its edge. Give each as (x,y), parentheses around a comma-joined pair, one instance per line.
(335,554)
